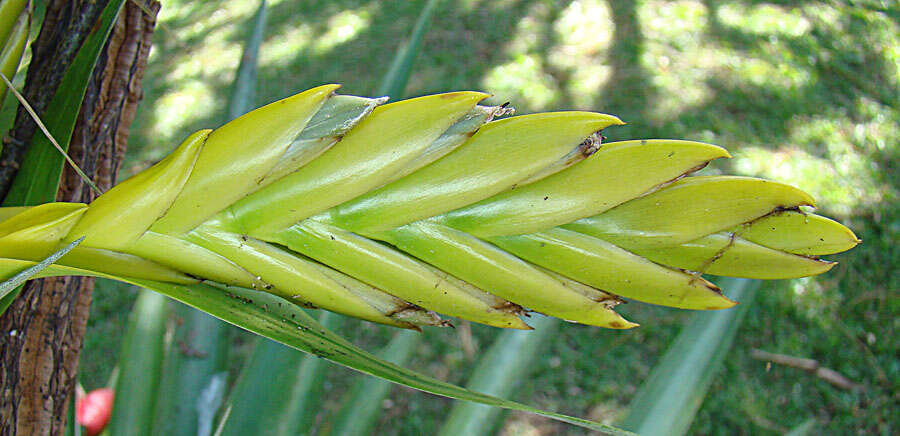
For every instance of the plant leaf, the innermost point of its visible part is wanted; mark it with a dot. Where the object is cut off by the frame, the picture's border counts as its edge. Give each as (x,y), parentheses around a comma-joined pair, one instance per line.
(283,321)
(667,402)
(244,92)
(195,360)
(499,370)
(140,365)
(363,402)
(398,75)
(278,391)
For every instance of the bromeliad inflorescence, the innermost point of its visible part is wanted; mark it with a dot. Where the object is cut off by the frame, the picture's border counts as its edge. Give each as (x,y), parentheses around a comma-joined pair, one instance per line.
(394,213)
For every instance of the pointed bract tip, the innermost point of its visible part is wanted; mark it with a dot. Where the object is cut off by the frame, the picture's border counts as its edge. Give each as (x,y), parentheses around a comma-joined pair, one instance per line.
(328,89)
(721,151)
(471,94)
(624,324)
(615,121)
(519,324)
(727,303)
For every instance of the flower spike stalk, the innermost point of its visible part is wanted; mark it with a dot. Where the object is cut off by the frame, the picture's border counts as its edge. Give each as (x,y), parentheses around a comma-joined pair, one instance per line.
(400,213)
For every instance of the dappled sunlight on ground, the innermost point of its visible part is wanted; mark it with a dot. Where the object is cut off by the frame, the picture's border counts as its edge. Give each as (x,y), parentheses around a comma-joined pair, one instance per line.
(342,27)
(191,101)
(764,19)
(279,50)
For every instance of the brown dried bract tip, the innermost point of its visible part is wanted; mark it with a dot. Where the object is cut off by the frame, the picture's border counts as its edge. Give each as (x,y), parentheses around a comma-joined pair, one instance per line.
(609,301)
(591,144)
(416,315)
(510,307)
(502,110)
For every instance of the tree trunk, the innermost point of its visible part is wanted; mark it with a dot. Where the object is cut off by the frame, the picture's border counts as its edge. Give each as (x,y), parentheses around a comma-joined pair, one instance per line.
(41,332)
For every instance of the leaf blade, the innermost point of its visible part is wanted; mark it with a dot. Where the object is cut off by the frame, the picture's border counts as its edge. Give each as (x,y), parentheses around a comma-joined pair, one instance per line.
(667,402)
(282,321)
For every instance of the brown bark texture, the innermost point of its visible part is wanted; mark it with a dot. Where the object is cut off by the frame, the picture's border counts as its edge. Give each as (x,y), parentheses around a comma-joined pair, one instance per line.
(41,333)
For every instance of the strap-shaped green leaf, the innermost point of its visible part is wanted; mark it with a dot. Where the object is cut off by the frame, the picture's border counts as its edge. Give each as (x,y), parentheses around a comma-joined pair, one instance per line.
(498,372)
(279,390)
(670,397)
(278,319)
(140,364)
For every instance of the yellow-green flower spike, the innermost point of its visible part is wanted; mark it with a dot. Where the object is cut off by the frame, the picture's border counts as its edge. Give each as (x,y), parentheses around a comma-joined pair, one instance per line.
(397,213)
(233,163)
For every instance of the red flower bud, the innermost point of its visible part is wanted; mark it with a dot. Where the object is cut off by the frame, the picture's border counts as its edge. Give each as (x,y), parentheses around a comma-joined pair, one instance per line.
(94,410)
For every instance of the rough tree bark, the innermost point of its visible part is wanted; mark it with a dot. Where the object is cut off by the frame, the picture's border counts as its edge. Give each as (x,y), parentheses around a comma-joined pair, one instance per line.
(41,332)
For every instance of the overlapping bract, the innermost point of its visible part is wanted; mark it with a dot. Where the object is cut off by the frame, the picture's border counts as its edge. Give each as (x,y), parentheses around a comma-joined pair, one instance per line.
(397,213)
(15,23)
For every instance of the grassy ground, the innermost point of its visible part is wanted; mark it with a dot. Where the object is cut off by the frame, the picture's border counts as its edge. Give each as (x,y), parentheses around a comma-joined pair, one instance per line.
(802,92)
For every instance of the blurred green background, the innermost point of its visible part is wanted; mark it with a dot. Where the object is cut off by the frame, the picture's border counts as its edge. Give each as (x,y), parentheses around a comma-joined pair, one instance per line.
(806,93)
